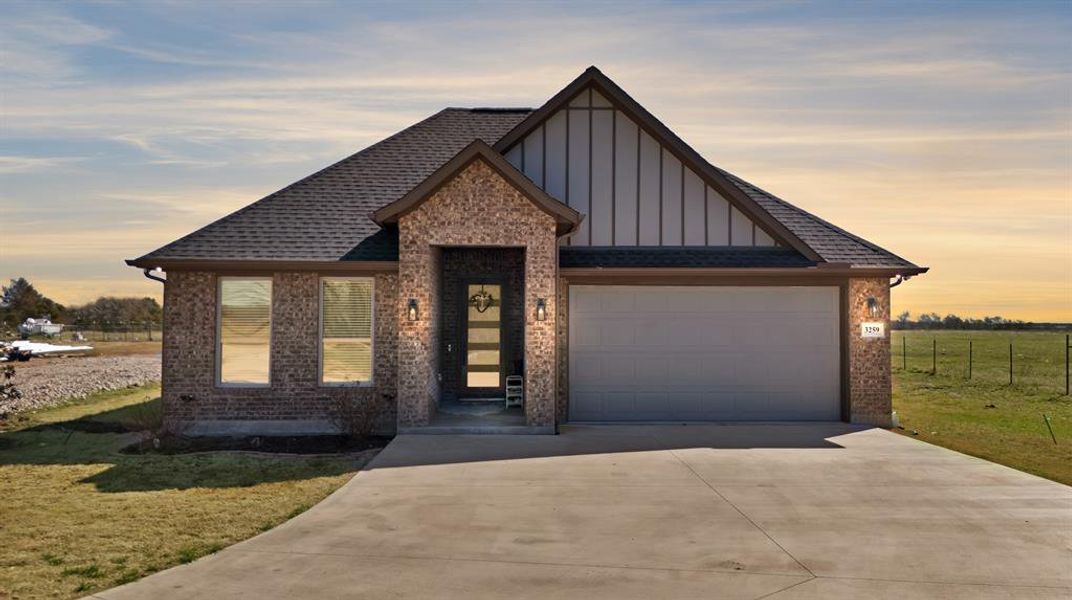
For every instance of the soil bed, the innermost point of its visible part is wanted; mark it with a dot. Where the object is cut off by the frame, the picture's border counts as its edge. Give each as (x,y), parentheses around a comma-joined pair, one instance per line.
(299,444)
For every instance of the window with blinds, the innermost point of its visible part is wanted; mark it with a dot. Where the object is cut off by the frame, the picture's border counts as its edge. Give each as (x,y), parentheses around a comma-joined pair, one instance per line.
(345,330)
(245,330)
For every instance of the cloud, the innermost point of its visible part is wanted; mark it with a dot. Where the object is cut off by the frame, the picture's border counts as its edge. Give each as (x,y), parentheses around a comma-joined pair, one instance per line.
(28,164)
(944,134)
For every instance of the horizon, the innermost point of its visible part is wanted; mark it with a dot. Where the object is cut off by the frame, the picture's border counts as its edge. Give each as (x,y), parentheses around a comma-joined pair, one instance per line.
(940,132)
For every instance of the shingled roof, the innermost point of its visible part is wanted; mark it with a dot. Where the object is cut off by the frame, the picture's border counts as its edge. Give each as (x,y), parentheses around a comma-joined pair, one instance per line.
(327,216)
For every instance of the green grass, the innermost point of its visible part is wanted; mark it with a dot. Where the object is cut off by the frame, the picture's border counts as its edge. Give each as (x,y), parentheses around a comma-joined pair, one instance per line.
(985,416)
(79,517)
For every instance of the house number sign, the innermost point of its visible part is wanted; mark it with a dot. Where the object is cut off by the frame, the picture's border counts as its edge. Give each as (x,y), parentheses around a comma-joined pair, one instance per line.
(872,330)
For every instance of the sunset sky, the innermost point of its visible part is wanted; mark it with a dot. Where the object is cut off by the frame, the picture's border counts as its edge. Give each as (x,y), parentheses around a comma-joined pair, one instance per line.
(941,131)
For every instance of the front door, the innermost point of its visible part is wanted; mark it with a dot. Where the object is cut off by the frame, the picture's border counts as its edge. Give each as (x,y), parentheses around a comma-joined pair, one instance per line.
(482,366)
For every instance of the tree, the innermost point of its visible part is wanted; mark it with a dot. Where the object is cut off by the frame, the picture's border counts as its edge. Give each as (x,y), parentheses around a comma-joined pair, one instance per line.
(116,312)
(20,301)
(903,320)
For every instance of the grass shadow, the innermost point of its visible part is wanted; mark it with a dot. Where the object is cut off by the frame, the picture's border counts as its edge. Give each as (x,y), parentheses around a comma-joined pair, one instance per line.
(97,438)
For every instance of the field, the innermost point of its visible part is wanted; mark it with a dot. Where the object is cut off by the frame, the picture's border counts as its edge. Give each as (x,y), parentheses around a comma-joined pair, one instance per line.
(78,516)
(985,416)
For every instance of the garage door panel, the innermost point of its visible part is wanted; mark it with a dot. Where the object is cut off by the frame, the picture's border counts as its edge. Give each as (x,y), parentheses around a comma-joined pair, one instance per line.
(704,353)
(617,332)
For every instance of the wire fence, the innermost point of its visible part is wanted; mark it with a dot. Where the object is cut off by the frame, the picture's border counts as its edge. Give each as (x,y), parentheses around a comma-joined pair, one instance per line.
(1025,358)
(106,331)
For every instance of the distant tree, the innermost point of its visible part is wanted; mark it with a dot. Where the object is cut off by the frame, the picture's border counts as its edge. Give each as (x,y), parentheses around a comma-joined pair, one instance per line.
(112,312)
(952,321)
(903,320)
(20,301)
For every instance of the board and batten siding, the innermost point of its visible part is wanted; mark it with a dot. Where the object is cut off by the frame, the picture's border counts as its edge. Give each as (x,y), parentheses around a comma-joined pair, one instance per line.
(633,191)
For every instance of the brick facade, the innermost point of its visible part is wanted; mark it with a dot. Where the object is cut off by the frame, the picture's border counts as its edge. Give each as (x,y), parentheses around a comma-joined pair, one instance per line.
(869,385)
(477,207)
(294,401)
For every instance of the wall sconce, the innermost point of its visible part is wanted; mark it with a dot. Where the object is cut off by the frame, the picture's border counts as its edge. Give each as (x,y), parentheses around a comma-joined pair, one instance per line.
(872,306)
(411,310)
(541,309)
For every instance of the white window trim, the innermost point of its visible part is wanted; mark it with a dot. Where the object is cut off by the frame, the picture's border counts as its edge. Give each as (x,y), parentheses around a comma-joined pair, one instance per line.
(220,383)
(320,336)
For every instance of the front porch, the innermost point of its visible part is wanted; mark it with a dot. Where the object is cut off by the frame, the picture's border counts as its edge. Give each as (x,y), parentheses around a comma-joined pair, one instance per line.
(476,232)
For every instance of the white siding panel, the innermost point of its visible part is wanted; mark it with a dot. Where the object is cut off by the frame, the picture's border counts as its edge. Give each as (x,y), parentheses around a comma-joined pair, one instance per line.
(579,168)
(763,239)
(513,156)
(602,215)
(672,223)
(599,101)
(582,99)
(649,190)
(741,229)
(695,223)
(534,156)
(718,219)
(625,181)
(556,156)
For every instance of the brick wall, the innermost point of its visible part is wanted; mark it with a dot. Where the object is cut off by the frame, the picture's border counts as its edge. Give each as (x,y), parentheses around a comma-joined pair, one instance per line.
(869,385)
(294,401)
(562,364)
(477,207)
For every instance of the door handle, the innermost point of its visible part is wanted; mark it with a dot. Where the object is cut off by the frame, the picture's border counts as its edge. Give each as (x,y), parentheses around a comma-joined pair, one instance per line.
(450,348)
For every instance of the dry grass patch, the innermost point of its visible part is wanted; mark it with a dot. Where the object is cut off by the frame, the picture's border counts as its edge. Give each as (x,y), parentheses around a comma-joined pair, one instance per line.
(80,517)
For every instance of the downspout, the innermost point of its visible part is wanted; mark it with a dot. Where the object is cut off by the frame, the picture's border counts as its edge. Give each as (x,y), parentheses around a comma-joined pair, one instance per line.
(900,279)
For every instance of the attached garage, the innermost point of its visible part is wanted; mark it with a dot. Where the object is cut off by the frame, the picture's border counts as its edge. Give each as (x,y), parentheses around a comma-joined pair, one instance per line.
(704,353)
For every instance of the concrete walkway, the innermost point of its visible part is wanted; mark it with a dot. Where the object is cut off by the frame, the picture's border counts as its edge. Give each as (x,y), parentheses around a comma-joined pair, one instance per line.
(736,511)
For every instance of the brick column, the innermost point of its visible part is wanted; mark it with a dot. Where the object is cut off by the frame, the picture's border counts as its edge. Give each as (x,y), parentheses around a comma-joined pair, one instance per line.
(870,388)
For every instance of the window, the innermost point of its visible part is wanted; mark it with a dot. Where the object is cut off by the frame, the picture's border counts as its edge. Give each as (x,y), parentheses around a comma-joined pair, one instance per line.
(345,330)
(245,330)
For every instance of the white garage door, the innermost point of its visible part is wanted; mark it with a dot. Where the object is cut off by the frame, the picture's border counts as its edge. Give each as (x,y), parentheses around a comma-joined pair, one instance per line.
(667,353)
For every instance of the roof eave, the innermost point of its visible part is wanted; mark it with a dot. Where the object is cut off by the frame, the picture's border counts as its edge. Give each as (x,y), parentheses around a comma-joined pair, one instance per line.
(263,265)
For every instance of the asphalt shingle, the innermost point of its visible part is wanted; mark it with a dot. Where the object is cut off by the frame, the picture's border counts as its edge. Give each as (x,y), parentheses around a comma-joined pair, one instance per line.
(326,216)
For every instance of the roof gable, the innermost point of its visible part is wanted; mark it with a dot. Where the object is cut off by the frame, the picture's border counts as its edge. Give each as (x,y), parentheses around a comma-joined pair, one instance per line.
(615,96)
(566,218)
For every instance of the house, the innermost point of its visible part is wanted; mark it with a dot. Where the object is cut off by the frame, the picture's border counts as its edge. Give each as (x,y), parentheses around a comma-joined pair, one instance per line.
(581,245)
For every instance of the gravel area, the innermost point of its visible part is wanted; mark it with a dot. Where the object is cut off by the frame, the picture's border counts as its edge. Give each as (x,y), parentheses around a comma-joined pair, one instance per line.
(47,381)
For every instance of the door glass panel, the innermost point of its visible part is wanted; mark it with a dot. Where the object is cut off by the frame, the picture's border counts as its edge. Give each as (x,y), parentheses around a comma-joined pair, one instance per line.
(484,326)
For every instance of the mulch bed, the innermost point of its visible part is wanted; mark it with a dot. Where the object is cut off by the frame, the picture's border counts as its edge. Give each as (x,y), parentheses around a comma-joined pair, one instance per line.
(298,444)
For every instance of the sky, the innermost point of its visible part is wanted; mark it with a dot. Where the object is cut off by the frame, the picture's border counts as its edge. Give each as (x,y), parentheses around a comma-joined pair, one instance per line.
(940,131)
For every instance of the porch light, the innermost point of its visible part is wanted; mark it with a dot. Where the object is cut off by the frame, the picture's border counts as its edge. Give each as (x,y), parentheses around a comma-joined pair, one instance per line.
(411,310)
(541,309)
(872,306)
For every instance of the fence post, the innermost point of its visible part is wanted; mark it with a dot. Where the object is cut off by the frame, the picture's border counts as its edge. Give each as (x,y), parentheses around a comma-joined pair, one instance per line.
(1067,346)
(969,359)
(1010,363)
(904,358)
(934,356)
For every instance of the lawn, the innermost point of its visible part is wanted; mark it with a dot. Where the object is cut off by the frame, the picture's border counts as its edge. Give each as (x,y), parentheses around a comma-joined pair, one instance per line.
(985,416)
(79,517)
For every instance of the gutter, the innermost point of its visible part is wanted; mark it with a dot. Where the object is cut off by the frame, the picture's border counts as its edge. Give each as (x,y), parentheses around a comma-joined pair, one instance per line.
(149,274)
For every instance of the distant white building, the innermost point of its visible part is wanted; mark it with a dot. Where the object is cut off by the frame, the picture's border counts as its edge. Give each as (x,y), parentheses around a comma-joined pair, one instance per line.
(42,326)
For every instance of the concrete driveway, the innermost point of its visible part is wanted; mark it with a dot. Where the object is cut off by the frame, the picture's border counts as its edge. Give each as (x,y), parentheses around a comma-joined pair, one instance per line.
(735,511)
